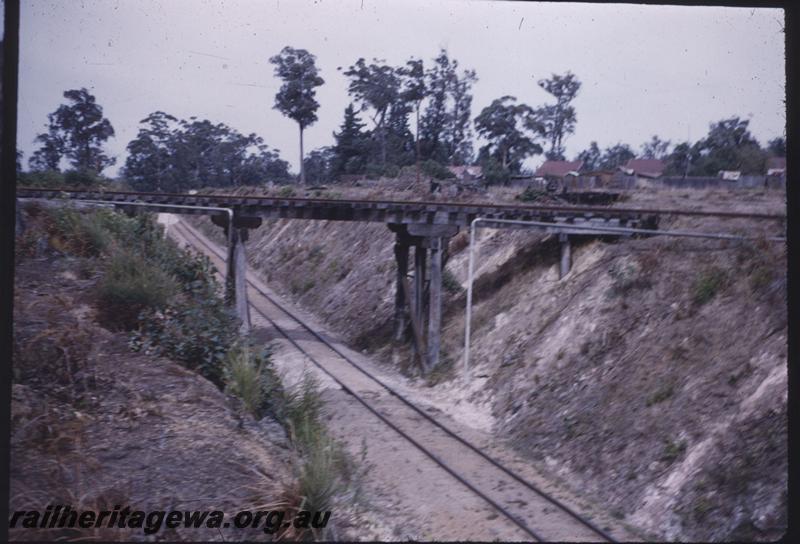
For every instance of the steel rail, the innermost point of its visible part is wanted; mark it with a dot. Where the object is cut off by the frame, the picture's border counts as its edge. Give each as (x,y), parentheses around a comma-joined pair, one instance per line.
(519,479)
(521,524)
(434,204)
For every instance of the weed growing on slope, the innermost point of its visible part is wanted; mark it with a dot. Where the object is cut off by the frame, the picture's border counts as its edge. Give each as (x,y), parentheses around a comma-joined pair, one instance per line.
(252,377)
(129,286)
(707,285)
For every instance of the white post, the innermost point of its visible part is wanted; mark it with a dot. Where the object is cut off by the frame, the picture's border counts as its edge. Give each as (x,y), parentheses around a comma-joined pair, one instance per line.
(470,269)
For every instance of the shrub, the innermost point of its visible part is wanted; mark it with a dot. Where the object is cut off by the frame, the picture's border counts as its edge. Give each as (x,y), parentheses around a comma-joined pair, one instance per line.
(129,286)
(287,191)
(673,450)
(73,232)
(494,173)
(197,333)
(82,178)
(531,195)
(662,394)
(707,285)
(450,283)
(436,170)
(44,179)
(627,275)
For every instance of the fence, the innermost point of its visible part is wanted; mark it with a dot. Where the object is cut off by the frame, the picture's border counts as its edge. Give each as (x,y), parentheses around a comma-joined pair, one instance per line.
(622,182)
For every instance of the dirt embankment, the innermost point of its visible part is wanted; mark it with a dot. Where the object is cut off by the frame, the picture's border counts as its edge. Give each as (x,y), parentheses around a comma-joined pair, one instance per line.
(652,377)
(95,425)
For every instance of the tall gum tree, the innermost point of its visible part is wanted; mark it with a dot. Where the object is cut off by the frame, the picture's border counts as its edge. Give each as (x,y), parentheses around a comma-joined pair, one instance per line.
(296,97)
(76,130)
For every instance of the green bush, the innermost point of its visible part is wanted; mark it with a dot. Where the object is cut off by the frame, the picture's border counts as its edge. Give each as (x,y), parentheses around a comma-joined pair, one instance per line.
(531,195)
(287,191)
(83,179)
(707,285)
(197,333)
(436,170)
(129,286)
(45,179)
(494,173)
(450,283)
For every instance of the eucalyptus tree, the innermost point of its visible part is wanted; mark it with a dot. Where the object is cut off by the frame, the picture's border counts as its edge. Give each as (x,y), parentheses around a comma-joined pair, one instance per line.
(655,148)
(559,118)
(375,88)
(77,131)
(296,97)
(511,130)
(414,91)
(149,164)
(616,156)
(458,119)
(590,157)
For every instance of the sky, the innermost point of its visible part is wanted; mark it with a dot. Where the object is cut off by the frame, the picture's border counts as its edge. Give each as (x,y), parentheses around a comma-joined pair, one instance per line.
(665,70)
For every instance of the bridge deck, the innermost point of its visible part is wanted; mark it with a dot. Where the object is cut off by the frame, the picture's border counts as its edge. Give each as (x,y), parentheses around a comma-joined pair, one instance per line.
(381,211)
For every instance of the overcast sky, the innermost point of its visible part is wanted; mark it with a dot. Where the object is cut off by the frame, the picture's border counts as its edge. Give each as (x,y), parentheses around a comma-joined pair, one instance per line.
(666,70)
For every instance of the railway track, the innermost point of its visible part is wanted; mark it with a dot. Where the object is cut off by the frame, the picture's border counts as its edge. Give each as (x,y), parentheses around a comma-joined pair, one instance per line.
(536,513)
(431,206)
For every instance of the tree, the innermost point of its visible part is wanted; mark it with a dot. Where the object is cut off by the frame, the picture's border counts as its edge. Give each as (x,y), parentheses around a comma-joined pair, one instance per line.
(728,146)
(458,121)
(296,97)
(777,147)
(435,119)
(172,155)
(377,87)
(77,131)
(656,148)
(414,90)
(559,118)
(48,156)
(590,157)
(679,160)
(616,156)
(319,165)
(445,128)
(511,131)
(149,160)
(351,148)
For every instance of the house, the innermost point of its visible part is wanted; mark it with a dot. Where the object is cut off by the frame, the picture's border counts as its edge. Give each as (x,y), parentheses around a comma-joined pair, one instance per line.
(559,169)
(466,173)
(776,166)
(730,175)
(645,168)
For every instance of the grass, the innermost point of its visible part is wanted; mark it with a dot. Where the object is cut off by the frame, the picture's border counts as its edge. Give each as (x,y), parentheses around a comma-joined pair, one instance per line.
(247,377)
(327,471)
(706,286)
(661,394)
(129,286)
(673,450)
(286,192)
(450,283)
(627,276)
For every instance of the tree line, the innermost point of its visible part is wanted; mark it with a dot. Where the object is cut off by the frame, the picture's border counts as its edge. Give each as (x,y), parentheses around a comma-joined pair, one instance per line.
(729,145)
(375,137)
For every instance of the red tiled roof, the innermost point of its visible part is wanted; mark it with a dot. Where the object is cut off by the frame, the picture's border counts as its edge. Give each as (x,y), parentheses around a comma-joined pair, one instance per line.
(652,167)
(558,168)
